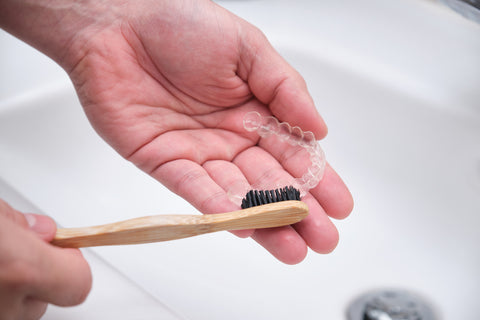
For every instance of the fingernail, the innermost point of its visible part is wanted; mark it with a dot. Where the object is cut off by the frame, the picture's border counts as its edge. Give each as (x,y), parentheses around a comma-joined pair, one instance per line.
(38,223)
(31,219)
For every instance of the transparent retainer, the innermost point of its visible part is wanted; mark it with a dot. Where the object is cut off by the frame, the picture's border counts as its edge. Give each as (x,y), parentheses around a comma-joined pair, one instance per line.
(294,136)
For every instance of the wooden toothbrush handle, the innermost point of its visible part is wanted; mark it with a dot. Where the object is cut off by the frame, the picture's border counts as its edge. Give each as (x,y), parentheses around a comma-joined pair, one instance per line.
(171,227)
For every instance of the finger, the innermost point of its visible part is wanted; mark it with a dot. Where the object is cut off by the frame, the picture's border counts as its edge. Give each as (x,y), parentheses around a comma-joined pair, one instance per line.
(275,83)
(260,168)
(317,230)
(195,145)
(37,269)
(231,179)
(33,309)
(334,196)
(63,276)
(331,192)
(13,215)
(193,183)
(228,176)
(283,243)
(10,303)
(44,227)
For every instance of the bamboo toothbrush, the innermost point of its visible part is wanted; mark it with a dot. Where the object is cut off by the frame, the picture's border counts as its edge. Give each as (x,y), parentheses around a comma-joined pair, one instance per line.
(171,227)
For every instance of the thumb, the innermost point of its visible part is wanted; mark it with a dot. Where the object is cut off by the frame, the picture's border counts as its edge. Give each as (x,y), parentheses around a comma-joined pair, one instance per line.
(43,226)
(277,84)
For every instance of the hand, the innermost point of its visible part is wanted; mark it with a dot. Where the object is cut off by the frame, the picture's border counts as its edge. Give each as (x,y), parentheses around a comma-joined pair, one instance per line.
(167,83)
(33,272)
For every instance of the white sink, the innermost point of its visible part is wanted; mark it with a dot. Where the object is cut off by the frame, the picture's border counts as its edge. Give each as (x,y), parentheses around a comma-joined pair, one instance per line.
(404,119)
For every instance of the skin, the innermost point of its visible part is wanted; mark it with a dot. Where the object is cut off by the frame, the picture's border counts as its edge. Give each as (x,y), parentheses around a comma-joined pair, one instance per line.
(34,273)
(167,83)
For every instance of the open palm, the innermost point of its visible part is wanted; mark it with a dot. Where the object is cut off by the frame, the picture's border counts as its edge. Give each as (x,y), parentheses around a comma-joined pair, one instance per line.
(168,87)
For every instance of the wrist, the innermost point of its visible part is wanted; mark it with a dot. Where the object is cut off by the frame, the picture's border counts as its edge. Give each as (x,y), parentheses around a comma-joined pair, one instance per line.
(55,27)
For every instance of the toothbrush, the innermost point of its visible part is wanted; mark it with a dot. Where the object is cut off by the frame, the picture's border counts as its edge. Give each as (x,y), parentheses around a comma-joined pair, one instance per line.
(171,227)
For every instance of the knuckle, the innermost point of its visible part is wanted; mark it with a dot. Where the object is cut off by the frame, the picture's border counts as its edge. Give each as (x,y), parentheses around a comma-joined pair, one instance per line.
(188,179)
(209,203)
(271,175)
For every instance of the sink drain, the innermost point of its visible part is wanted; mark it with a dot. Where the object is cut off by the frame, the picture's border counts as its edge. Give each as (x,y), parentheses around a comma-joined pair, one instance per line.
(390,305)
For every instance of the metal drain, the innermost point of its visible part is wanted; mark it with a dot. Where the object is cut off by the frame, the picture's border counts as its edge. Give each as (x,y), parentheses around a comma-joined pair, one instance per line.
(390,305)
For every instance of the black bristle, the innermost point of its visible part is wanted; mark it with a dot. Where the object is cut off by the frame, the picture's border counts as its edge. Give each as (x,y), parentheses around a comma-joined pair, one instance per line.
(272,194)
(261,195)
(249,199)
(255,198)
(292,193)
(268,196)
(279,195)
(288,192)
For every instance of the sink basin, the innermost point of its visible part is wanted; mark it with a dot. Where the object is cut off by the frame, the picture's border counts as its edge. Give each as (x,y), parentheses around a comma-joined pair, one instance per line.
(404,135)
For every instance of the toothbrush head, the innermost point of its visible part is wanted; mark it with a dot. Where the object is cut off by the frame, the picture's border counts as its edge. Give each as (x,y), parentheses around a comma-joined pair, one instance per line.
(255,198)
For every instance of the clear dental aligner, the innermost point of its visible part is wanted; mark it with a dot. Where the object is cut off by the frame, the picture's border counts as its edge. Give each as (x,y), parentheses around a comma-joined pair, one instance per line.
(267,126)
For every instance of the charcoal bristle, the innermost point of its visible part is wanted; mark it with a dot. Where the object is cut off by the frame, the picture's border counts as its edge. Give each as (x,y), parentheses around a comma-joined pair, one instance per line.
(263,200)
(255,198)
(268,195)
